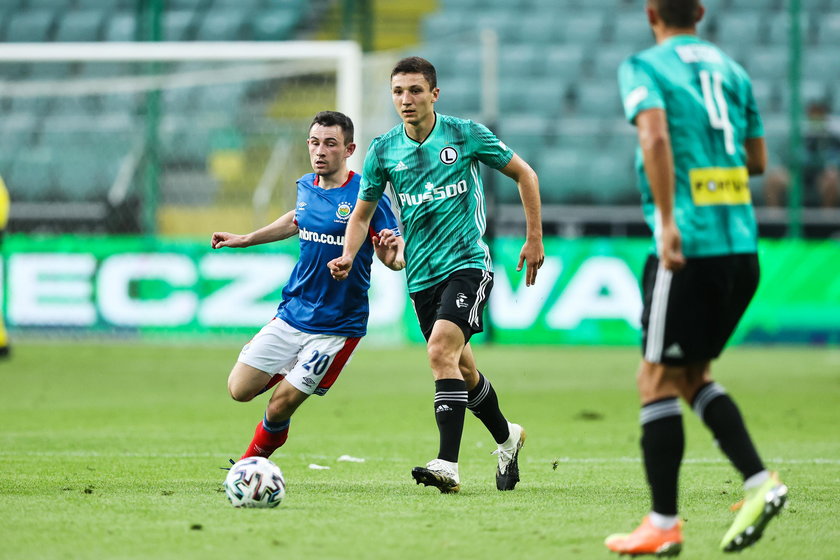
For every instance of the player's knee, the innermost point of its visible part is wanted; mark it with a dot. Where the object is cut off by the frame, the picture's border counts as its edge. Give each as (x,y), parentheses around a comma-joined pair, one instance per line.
(238,392)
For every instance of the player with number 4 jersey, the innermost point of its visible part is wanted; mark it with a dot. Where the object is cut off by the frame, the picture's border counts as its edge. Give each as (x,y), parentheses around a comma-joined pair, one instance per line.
(319,322)
(700,137)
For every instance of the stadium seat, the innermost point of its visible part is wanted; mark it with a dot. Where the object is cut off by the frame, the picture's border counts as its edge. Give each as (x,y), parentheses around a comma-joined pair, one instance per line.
(606,62)
(829,30)
(820,63)
(442,25)
(778,28)
(30,26)
(31,178)
(757,6)
(579,132)
(80,25)
(561,173)
(631,29)
(177,25)
(537,29)
(274,25)
(769,63)
(48,4)
(582,28)
(79,176)
(597,98)
(458,95)
(810,90)
(524,133)
(565,62)
(737,29)
(221,25)
(518,62)
(121,27)
(766,95)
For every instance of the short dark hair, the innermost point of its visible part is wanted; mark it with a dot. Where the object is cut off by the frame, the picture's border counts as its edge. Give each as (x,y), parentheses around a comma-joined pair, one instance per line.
(677,13)
(417,65)
(334,118)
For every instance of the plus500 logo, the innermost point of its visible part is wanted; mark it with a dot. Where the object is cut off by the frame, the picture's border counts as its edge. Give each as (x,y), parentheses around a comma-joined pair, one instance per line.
(433,193)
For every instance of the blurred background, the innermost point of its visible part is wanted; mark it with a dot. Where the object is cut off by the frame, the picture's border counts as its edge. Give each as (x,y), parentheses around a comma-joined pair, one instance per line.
(131,130)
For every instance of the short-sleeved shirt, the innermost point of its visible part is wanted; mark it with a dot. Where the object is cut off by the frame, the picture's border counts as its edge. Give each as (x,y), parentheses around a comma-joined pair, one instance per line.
(711,111)
(313,301)
(437,185)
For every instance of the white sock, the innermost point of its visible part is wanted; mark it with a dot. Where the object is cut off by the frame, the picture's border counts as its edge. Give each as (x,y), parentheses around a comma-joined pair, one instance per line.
(663,521)
(756,480)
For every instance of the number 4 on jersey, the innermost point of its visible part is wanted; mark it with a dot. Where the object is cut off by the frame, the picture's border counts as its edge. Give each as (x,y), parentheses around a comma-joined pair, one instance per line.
(712,84)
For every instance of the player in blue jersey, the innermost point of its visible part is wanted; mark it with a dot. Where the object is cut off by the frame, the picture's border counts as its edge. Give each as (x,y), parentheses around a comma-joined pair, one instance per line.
(432,163)
(319,322)
(700,137)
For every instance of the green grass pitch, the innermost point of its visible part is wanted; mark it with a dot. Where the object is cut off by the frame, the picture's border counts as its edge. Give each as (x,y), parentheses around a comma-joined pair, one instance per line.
(113,451)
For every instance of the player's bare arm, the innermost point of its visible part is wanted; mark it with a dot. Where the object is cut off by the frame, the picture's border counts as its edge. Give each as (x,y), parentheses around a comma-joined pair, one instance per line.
(533,252)
(281,228)
(756,155)
(354,236)
(655,141)
(390,249)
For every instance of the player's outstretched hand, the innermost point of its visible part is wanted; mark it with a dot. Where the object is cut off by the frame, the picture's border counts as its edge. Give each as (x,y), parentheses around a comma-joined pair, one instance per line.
(224,239)
(340,268)
(385,238)
(533,254)
(387,246)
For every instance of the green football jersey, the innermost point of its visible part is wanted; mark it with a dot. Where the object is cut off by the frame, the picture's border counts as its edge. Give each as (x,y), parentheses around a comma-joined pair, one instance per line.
(711,111)
(438,187)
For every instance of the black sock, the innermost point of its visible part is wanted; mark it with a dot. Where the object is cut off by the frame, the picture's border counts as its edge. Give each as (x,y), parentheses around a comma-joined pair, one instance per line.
(450,406)
(663,442)
(484,404)
(721,415)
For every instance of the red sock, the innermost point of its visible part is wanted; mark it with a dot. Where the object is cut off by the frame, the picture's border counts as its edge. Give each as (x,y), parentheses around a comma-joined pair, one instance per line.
(265,443)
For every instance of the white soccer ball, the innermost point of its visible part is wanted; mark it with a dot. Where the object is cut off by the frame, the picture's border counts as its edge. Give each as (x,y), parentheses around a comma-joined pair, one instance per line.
(255,482)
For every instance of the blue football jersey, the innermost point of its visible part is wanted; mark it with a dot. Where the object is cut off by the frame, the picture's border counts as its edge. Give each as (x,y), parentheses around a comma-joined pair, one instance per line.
(312,301)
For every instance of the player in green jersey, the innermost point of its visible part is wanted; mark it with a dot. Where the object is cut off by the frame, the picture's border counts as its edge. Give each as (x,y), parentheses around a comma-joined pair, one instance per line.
(700,138)
(432,162)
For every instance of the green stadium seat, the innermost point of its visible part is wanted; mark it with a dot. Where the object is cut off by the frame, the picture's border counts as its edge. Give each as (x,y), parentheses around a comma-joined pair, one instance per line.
(597,99)
(580,132)
(631,28)
(758,6)
(442,25)
(79,175)
(221,25)
(274,24)
(178,25)
(537,29)
(30,26)
(778,28)
(189,5)
(565,62)
(606,61)
(738,29)
(766,95)
(31,178)
(108,5)
(16,134)
(809,90)
(458,96)
(121,27)
(519,62)
(49,70)
(526,134)
(582,28)
(769,63)
(226,98)
(80,26)
(829,29)
(820,63)
(562,176)
(48,4)
(610,179)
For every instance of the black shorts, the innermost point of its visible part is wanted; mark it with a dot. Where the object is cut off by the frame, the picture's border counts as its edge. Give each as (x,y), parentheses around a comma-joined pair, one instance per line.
(460,298)
(690,314)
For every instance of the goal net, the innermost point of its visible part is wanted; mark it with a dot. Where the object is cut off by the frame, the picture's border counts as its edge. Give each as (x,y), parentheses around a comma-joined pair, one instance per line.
(163,138)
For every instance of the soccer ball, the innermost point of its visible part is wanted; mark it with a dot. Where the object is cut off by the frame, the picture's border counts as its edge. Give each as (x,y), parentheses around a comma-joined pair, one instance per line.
(255,482)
